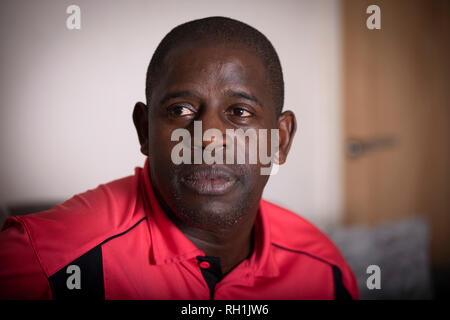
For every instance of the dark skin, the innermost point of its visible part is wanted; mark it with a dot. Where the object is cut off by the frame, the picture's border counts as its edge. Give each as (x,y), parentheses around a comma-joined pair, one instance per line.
(226,87)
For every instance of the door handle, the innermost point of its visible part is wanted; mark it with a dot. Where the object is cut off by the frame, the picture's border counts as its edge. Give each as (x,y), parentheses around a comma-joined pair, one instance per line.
(356,147)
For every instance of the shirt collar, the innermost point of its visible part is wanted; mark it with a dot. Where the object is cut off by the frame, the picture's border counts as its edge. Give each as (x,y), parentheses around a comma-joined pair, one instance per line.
(169,244)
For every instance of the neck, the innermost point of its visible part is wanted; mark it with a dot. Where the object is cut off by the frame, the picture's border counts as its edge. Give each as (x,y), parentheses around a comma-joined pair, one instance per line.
(232,245)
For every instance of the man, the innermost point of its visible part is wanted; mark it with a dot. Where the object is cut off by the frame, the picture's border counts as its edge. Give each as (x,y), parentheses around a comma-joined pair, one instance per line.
(180,230)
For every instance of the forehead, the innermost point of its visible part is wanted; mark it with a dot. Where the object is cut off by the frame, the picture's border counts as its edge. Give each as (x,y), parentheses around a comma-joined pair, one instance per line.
(209,68)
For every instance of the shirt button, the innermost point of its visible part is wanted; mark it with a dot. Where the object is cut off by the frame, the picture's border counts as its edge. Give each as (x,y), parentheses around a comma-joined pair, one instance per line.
(204,265)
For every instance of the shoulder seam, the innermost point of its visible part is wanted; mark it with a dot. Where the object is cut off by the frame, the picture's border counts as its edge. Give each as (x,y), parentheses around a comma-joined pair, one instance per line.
(100,244)
(302,252)
(122,233)
(341,291)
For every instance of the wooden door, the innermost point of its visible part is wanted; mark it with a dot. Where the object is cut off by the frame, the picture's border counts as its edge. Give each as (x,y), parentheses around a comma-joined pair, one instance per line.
(397,116)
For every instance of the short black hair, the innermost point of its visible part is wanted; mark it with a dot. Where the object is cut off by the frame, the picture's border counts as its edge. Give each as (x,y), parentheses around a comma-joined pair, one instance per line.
(220,29)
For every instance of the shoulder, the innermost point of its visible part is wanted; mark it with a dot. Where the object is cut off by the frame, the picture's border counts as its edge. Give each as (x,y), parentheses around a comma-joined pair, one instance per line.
(72,228)
(297,236)
(295,233)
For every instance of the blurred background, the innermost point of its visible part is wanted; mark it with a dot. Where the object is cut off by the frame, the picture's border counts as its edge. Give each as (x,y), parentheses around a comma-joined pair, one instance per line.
(370,161)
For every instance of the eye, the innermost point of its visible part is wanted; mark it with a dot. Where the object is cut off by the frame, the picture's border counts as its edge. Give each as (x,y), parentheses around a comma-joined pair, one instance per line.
(240,112)
(180,111)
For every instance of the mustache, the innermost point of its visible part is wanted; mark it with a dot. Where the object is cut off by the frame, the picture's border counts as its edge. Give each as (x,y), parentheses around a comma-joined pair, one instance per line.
(195,172)
(214,171)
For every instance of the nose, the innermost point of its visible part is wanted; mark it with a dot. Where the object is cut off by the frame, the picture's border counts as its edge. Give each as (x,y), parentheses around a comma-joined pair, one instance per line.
(214,125)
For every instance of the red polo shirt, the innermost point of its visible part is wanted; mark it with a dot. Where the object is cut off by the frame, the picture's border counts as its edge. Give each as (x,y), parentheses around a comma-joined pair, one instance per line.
(115,242)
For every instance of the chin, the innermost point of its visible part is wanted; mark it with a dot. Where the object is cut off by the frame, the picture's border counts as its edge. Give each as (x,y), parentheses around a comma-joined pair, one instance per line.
(212,214)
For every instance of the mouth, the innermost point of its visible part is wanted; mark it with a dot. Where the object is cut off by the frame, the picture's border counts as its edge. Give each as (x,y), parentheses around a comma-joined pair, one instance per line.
(209,180)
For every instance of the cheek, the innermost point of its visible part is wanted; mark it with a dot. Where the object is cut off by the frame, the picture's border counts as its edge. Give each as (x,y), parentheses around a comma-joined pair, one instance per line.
(251,178)
(160,143)
(160,163)
(254,185)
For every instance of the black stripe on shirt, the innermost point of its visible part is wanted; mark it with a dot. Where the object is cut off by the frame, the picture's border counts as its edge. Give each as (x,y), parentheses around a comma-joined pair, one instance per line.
(83,277)
(340,292)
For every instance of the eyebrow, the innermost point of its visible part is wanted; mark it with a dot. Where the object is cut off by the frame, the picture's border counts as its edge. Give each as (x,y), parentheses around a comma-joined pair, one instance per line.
(229,93)
(177,94)
(243,95)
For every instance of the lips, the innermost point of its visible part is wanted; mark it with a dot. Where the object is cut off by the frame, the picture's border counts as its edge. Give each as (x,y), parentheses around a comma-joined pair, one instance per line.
(209,180)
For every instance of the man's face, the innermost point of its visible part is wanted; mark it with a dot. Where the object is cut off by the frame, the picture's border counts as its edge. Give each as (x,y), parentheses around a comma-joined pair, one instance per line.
(224,88)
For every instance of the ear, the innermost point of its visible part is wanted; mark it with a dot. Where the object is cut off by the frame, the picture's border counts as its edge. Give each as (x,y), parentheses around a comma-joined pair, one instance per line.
(140,119)
(287,125)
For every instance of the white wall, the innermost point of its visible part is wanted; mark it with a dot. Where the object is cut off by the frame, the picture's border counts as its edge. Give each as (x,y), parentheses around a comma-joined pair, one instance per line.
(66,97)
